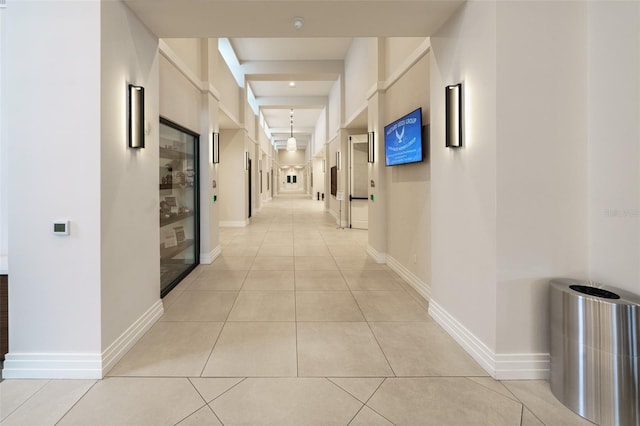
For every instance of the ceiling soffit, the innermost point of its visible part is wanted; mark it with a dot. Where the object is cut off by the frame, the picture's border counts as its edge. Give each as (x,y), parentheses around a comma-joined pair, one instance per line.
(272,53)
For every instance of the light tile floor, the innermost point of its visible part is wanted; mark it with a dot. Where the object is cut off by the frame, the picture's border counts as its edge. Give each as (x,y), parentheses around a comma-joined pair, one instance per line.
(293,325)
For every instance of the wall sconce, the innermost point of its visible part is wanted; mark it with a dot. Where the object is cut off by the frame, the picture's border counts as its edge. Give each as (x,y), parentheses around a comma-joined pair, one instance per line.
(136,116)
(453,106)
(370,144)
(324,166)
(246,160)
(215,147)
(338,161)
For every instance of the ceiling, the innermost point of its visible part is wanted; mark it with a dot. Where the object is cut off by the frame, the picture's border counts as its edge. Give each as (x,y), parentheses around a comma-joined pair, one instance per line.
(291,76)
(272,53)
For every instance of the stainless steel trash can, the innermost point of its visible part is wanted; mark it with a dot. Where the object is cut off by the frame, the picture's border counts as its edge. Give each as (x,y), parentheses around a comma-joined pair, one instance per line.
(595,351)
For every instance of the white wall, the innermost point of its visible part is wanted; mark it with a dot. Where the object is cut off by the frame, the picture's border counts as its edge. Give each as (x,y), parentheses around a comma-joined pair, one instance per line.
(397,50)
(318,178)
(291,158)
(536,192)
(180,101)
(375,61)
(408,202)
(320,134)
(4,165)
(230,98)
(334,111)
(250,120)
(463,181)
(130,267)
(209,231)
(262,149)
(356,78)
(377,211)
(614,150)
(189,51)
(232,179)
(541,171)
(55,281)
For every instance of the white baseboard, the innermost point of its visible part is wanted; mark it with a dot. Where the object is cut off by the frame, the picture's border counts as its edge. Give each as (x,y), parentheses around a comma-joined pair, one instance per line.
(79,365)
(208,258)
(523,366)
(533,366)
(130,337)
(376,255)
(52,366)
(412,279)
(474,346)
(233,223)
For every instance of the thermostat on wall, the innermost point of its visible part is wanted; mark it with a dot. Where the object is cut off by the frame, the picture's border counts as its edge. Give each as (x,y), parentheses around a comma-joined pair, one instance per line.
(61,227)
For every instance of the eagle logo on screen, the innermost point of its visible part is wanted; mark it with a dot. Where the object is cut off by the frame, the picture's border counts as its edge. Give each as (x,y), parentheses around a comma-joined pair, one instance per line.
(400,136)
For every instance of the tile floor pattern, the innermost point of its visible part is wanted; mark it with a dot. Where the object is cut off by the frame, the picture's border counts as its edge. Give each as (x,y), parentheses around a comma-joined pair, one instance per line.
(293,325)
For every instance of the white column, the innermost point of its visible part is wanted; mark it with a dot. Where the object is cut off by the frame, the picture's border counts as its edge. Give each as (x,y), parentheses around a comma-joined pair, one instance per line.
(209,215)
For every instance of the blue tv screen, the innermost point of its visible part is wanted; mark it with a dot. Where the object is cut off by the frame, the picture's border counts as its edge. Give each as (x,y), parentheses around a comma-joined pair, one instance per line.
(403,139)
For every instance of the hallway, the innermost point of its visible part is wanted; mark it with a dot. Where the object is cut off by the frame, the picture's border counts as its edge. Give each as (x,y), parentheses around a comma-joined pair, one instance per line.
(292,325)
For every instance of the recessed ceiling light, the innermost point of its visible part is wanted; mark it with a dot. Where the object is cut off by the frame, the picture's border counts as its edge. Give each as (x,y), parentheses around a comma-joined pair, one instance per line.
(298,22)
(292,84)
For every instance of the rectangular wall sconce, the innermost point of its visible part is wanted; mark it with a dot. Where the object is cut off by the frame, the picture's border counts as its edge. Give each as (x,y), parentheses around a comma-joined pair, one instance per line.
(246,160)
(136,116)
(370,144)
(453,106)
(324,166)
(215,147)
(338,160)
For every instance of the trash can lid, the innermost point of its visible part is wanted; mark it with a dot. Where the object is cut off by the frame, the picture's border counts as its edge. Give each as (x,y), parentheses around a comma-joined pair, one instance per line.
(603,293)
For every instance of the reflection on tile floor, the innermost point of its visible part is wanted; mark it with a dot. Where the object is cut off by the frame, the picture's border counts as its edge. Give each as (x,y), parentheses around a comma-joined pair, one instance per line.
(293,325)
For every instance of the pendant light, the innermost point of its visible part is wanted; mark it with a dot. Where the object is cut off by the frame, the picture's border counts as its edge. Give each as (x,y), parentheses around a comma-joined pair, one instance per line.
(291,142)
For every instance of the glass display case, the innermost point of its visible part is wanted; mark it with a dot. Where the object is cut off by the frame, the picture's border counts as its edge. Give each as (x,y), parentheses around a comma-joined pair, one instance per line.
(179,216)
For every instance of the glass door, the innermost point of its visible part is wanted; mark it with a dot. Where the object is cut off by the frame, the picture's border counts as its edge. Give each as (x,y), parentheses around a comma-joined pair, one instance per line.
(179,215)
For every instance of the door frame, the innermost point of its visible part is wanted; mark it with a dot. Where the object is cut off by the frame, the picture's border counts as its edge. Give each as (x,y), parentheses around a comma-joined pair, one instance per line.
(249,166)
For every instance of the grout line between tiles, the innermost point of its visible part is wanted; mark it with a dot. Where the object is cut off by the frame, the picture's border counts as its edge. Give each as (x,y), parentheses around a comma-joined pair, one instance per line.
(223,326)
(77,401)
(215,414)
(206,404)
(372,395)
(368,325)
(25,401)
(191,414)
(521,414)
(512,397)
(524,407)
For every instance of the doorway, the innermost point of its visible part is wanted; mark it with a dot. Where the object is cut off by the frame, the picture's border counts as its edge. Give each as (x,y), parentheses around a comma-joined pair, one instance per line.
(179,203)
(358,182)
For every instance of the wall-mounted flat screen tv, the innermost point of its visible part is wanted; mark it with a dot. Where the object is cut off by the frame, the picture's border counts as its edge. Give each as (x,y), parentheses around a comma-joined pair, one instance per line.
(403,139)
